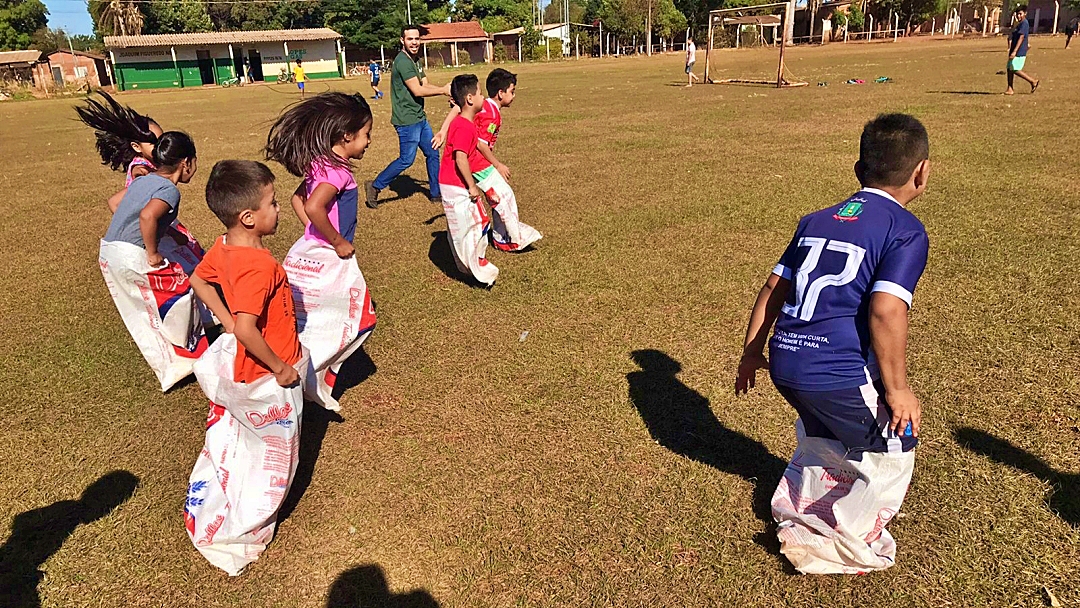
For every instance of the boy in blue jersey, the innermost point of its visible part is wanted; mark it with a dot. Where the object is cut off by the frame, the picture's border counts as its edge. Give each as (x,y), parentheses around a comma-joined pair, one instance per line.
(374,71)
(839,298)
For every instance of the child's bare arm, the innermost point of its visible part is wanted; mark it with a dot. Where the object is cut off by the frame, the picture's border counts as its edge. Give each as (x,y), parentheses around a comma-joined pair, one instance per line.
(888,337)
(114,200)
(315,207)
(139,171)
(208,295)
(461,162)
(247,333)
(299,199)
(769,302)
(445,128)
(148,222)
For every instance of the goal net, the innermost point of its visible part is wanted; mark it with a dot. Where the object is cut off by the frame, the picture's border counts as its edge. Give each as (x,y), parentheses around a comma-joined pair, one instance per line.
(760,25)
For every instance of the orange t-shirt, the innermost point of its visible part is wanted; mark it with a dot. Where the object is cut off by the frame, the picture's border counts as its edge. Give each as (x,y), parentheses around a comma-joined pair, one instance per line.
(253,282)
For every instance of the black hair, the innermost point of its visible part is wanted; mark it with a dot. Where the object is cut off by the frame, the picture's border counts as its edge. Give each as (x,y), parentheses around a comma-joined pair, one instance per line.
(890,148)
(412,26)
(173,147)
(235,185)
(1020,8)
(116,127)
(299,60)
(311,128)
(499,80)
(462,85)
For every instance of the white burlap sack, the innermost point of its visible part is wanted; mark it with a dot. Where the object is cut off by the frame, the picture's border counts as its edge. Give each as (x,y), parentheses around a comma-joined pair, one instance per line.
(508,232)
(832,512)
(467,225)
(157,305)
(247,464)
(333,312)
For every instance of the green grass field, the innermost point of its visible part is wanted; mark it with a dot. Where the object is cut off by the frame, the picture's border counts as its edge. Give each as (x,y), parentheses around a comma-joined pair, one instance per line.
(574,469)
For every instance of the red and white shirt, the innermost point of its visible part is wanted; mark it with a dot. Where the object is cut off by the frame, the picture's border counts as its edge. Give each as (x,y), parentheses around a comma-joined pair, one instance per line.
(488,121)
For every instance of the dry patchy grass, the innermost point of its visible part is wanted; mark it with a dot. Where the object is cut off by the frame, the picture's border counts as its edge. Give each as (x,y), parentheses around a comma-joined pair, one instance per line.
(476,470)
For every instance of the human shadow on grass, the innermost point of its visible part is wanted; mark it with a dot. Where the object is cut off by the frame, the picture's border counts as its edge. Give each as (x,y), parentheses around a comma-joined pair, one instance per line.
(36,535)
(404,186)
(314,423)
(1065,499)
(680,419)
(366,587)
(964,93)
(442,256)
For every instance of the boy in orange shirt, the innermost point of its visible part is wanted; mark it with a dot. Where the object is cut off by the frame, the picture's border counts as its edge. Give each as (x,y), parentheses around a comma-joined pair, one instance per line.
(258,305)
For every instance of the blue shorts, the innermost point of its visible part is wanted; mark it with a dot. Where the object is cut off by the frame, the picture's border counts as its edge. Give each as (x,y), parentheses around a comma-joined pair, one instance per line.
(374,82)
(300,85)
(857,417)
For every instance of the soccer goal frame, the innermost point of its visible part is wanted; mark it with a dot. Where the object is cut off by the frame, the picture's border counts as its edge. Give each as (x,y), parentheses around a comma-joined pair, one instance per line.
(777,19)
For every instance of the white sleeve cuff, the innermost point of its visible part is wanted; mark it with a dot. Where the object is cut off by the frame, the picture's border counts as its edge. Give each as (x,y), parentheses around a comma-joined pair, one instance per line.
(782,271)
(483,141)
(893,289)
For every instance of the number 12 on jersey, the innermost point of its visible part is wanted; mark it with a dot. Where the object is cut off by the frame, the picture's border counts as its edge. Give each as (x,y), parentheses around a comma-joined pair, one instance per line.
(808,292)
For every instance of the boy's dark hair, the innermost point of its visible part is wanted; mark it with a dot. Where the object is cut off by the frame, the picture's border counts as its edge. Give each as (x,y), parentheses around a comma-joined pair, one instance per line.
(412,26)
(116,127)
(299,61)
(311,128)
(890,148)
(234,186)
(463,85)
(1020,8)
(172,148)
(499,80)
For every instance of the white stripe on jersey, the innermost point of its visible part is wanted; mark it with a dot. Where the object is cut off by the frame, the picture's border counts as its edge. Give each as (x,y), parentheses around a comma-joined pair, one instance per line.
(893,289)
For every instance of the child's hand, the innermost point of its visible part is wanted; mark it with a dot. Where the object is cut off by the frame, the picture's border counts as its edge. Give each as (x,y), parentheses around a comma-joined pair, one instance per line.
(905,409)
(344,249)
(287,376)
(438,140)
(474,192)
(155,259)
(503,170)
(746,377)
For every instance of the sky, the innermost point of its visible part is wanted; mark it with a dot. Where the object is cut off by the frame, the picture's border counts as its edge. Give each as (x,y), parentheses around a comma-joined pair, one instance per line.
(69,15)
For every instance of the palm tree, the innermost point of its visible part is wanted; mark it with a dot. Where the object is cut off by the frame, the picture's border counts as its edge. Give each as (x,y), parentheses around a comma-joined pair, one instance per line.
(117,17)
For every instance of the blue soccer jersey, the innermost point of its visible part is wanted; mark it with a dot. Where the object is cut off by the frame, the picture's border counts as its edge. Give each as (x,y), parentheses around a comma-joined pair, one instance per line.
(373,68)
(838,257)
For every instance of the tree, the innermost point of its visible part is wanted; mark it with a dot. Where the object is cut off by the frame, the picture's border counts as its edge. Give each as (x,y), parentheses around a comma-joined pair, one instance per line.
(910,11)
(553,12)
(49,40)
(176,17)
(372,23)
(667,20)
(19,19)
(116,17)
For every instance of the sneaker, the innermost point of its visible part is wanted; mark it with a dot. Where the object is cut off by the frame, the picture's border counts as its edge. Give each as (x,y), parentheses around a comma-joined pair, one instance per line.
(371,198)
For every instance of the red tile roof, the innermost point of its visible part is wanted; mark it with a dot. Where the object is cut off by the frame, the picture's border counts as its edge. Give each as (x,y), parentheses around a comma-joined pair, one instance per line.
(468,30)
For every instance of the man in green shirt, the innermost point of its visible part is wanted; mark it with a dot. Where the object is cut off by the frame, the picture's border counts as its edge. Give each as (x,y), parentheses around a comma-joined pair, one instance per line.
(408,88)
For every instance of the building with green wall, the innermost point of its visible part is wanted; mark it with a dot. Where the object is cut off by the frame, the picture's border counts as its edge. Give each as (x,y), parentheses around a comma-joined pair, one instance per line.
(161,61)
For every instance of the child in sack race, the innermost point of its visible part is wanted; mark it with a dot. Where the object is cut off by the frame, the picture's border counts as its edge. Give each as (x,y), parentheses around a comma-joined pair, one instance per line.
(508,232)
(252,375)
(126,138)
(318,139)
(839,298)
(148,284)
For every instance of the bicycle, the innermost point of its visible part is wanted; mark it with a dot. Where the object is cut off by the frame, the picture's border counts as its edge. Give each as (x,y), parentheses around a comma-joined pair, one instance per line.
(235,81)
(284,76)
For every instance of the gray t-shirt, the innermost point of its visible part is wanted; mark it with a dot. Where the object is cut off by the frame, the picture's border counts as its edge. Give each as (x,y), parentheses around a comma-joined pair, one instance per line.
(125,222)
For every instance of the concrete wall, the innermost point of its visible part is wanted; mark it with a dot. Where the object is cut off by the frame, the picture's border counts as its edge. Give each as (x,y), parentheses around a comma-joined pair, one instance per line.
(153,67)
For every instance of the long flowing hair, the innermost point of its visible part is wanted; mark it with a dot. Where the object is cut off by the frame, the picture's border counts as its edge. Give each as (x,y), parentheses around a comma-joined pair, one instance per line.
(310,129)
(116,127)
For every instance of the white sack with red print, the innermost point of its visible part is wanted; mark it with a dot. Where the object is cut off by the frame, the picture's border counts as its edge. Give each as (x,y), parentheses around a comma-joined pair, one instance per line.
(467,226)
(508,232)
(157,305)
(334,313)
(831,512)
(247,464)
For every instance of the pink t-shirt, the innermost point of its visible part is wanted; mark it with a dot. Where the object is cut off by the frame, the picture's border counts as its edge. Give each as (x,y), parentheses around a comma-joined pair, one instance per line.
(343,207)
(137,162)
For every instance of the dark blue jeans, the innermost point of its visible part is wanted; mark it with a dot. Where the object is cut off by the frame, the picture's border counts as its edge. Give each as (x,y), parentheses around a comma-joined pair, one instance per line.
(411,137)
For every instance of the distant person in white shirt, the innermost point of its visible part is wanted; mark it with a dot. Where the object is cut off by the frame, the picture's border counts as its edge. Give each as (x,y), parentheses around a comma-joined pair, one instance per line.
(691,56)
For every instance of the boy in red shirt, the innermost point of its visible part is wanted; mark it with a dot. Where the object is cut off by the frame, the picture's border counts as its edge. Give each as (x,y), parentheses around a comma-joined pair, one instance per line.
(467,221)
(508,232)
(258,305)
